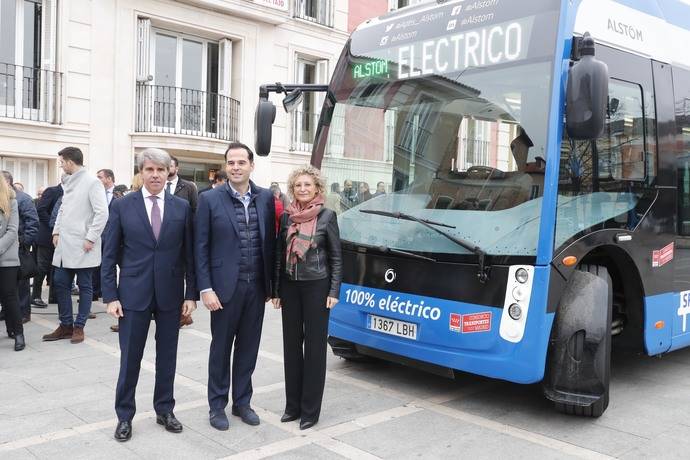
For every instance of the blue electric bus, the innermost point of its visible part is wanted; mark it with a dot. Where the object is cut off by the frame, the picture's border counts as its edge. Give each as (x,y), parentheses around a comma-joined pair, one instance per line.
(512,181)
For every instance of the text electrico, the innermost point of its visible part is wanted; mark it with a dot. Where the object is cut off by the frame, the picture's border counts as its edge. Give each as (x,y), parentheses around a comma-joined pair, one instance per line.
(476,48)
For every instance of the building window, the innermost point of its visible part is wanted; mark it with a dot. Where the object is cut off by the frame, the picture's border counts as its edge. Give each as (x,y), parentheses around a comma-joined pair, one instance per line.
(318,11)
(28,86)
(306,118)
(184,85)
(397,4)
(32,174)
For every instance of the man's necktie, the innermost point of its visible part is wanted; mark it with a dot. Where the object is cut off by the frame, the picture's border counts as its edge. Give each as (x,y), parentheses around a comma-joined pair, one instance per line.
(155,216)
(167,188)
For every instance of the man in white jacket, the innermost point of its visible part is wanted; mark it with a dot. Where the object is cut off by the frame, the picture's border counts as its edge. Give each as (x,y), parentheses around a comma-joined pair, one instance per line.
(77,239)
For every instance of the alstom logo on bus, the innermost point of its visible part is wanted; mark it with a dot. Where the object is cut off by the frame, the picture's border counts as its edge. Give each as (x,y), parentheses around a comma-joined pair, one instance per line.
(476,48)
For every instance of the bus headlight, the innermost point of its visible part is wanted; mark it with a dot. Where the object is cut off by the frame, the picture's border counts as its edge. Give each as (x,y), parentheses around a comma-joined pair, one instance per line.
(515,311)
(521,276)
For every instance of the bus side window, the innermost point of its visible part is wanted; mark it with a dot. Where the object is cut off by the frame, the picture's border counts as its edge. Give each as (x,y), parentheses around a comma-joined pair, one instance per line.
(622,149)
(681,83)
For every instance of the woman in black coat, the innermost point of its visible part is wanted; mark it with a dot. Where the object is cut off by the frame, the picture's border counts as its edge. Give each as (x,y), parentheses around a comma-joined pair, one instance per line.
(306,286)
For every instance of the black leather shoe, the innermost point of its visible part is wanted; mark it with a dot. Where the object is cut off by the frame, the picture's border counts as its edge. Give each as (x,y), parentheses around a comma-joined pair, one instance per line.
(123,432)
(219,420)
(10,334)
(306,424)
(170,423)
(19,343)
(39,303)
(288,418)
(247,415)
(26,319)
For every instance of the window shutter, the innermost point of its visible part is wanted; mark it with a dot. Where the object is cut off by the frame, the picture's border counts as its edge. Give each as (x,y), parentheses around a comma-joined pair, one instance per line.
(143,49)
(48,34)
(225,67)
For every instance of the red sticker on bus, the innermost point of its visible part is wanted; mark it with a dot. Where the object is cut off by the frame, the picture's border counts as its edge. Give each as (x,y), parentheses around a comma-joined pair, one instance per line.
(455,320)
(476,322)
(662,256)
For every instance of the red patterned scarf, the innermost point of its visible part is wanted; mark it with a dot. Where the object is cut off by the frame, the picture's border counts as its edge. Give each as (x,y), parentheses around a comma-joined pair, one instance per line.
(300,233)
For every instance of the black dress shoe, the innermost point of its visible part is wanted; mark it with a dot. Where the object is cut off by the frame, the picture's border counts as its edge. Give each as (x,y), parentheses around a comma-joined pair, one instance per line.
(123,432)
(10,334)
(170,423)
(26,319)
(306,424)
(219,420)
(19,343)
(288,417)
(247,415)
(39,303)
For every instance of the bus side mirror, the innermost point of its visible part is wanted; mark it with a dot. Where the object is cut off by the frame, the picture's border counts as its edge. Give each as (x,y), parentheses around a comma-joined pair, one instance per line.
(263,126)
(587,94)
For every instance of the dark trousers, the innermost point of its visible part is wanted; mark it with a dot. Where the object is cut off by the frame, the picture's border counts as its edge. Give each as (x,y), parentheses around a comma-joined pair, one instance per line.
(44,261)
(9,301)
(305,330)
(134,328)
(238,323)
(63,278)
(24,297)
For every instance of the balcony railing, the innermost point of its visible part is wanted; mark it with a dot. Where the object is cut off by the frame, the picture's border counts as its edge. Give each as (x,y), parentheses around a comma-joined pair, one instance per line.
(27,93)
(171,110)
(317,11)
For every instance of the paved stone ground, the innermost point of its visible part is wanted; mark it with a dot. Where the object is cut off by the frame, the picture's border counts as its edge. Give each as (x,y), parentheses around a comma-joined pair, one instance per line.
(56,400)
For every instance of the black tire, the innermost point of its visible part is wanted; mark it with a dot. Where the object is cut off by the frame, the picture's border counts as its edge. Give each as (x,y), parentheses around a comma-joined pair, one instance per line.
(570,403)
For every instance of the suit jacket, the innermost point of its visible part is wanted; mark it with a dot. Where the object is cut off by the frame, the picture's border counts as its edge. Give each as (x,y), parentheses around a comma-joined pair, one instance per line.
(217,239)
(45,209)
(187,191)
(149,267)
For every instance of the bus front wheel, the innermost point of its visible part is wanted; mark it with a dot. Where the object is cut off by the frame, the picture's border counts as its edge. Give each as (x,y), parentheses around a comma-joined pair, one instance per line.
(579,358)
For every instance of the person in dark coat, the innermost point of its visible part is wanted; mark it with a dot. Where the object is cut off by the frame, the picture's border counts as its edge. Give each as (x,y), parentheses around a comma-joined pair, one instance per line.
(149,236)
(44,243)
(306,285)
(180,187)
(234,236)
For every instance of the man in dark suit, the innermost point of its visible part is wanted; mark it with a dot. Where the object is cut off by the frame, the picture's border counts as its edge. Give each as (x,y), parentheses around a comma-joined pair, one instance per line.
(186,190)
(219,179)
(149,235)
(107,178)
(234,249)
(45,246)
(180,187)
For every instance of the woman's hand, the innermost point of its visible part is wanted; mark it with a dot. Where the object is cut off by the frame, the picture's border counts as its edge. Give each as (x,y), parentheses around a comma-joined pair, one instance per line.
(331,302)
(276,303)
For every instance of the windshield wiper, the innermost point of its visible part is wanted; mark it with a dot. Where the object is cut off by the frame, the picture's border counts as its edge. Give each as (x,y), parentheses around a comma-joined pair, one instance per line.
(483,273)
(387,250)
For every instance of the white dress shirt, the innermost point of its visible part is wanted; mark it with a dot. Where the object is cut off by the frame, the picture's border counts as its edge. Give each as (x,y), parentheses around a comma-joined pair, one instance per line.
(109,194)
(149,203)
(173,184)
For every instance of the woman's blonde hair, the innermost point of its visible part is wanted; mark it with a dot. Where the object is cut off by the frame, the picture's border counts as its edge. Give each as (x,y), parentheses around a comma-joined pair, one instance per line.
(137,183)
(6,196)
(311,171)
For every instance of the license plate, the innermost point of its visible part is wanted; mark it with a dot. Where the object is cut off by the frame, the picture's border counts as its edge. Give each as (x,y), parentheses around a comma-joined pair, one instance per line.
(392,327)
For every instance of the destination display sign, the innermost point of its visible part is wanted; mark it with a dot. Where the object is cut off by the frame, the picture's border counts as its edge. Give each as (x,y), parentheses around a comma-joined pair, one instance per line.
(456,36)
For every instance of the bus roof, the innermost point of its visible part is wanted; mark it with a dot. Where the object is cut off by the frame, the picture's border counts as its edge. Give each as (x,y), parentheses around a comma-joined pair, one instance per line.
(657,29)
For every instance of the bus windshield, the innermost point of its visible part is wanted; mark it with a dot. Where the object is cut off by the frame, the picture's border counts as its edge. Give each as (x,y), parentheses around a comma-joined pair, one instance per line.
(443,117)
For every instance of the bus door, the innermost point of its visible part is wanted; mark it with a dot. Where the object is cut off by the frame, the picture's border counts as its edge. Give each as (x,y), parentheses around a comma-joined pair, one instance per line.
(680,165)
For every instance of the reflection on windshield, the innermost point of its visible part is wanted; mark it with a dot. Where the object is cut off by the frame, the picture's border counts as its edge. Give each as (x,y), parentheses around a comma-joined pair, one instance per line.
(468,152)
